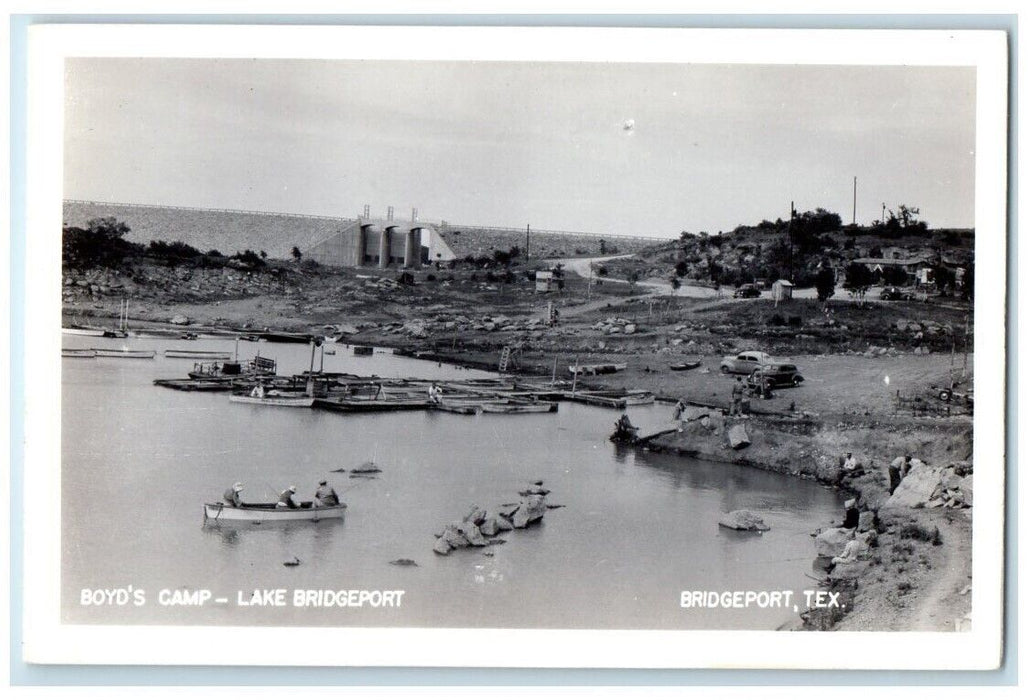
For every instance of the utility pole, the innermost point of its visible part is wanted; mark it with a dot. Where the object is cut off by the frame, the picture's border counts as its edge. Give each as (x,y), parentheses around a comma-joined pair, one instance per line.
(792,214)
(854,200)
(883,213)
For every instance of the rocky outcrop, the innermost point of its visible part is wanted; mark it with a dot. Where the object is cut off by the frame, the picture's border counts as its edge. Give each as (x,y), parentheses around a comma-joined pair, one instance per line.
(479,527)
(934,487)
(832,542)
(743,520)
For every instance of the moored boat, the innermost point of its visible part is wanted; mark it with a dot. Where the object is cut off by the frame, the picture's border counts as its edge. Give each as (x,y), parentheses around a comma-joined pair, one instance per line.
(685,365)
(608,368)
(128,354)
(199,354)
(73,352)
(467,409)
(286,337)
(371,405)
(275,397)
(90,332)
(520,407)
(214,513)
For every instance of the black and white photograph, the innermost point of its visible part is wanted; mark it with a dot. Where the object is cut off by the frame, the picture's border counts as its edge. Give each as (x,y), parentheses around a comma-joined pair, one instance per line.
(479,341)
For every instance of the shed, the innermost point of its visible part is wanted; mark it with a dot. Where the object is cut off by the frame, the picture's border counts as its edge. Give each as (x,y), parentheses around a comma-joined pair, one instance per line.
(781,290)
(544,281)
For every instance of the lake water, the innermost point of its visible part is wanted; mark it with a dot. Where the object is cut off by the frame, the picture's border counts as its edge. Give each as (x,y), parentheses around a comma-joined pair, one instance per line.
(637,528)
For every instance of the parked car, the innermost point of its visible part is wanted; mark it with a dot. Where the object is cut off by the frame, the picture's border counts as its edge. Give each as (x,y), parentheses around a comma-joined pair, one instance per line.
(894,293)
(778,374)
(745,362)
(747,291)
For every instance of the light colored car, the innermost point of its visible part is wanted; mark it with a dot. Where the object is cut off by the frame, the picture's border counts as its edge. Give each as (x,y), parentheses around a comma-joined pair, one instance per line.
(745,362)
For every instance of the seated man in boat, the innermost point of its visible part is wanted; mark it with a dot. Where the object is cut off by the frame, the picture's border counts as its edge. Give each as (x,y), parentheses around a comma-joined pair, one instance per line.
(325,496)
(285,499)
(434,393)
(624,428)
(258,392)
(231,495)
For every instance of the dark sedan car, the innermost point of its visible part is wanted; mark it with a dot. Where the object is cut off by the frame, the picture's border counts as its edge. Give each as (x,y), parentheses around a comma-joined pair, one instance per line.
(747,291)
(777,374)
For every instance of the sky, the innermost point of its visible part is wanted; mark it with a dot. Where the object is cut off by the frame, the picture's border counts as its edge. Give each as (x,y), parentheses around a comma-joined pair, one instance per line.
(632,149)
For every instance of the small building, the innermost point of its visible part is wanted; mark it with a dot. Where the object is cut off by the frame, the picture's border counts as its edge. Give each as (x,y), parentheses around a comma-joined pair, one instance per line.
(781,290)
(544,281)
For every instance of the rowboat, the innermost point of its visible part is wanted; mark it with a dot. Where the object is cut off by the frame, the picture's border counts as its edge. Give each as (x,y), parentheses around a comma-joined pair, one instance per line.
(91,332)
(286,337)
(685,365)
(611,399)
(520,407)
(214,513)
(72,352)
(275,398)
(466,409)
(608,368)
(199,354)
(128,354)
(363,350)
(370,405)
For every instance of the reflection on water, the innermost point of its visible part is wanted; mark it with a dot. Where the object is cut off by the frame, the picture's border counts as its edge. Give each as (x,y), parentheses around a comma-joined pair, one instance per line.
(636,529)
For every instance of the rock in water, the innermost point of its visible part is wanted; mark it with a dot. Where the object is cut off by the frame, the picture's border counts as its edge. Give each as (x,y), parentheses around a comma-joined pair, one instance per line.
(442,546)
(489,527)
(403,562)
(737,437)
(743,520)
(832,542)
(473,535)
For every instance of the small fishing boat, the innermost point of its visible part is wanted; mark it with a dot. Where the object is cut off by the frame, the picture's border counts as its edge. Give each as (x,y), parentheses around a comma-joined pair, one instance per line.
(72,352)
(372,405)
(466,409)
(511,407)
(199,354)
(287,337)
(275,397)
(608,368)
(127,354)
(363,350)
(214,513)
(611,399)
(91,332)
(685,365)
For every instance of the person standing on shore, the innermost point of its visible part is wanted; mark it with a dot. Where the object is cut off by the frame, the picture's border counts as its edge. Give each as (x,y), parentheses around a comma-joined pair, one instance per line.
(737,391)
(897,470)
(676,414)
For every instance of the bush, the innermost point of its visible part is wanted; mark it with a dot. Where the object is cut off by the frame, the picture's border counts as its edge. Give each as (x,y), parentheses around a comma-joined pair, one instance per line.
(776,320)
(795,321)
(916,531)
(430,277)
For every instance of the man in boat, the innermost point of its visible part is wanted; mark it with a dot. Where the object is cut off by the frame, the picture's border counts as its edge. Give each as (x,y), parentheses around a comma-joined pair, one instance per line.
(258,392)
(623,428)
(676,414)
(325,496)
(231,495)
(285,499)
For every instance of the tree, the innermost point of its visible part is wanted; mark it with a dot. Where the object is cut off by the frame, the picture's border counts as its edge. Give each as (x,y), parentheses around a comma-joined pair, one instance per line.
(676,284)
(264,256)
(681,268)
(945,279)
(603,247)
(824,281)
(297,255)
(101,242)
(858,279)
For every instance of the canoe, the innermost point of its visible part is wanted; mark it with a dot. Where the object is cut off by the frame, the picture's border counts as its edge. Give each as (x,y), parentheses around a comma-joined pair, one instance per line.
(214,513)
(685,365)
(514,407)
(129,354)
(72,352)
(279,399)
(199,354)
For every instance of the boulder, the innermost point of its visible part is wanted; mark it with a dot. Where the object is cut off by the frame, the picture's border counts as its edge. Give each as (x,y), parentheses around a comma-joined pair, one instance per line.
(442,546)
(179,320)
(473,535)
(967,489)
(848,571)
(917,488)
(743,520)
(453,537)
(520,518)
(489,527)
(867,521)
(737,436)
(476,515)
(346,329)
(630,329)
(503,524)
(832,542)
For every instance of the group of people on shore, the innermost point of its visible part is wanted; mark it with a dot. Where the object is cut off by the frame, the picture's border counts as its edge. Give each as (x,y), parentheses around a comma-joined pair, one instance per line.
(324,497)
